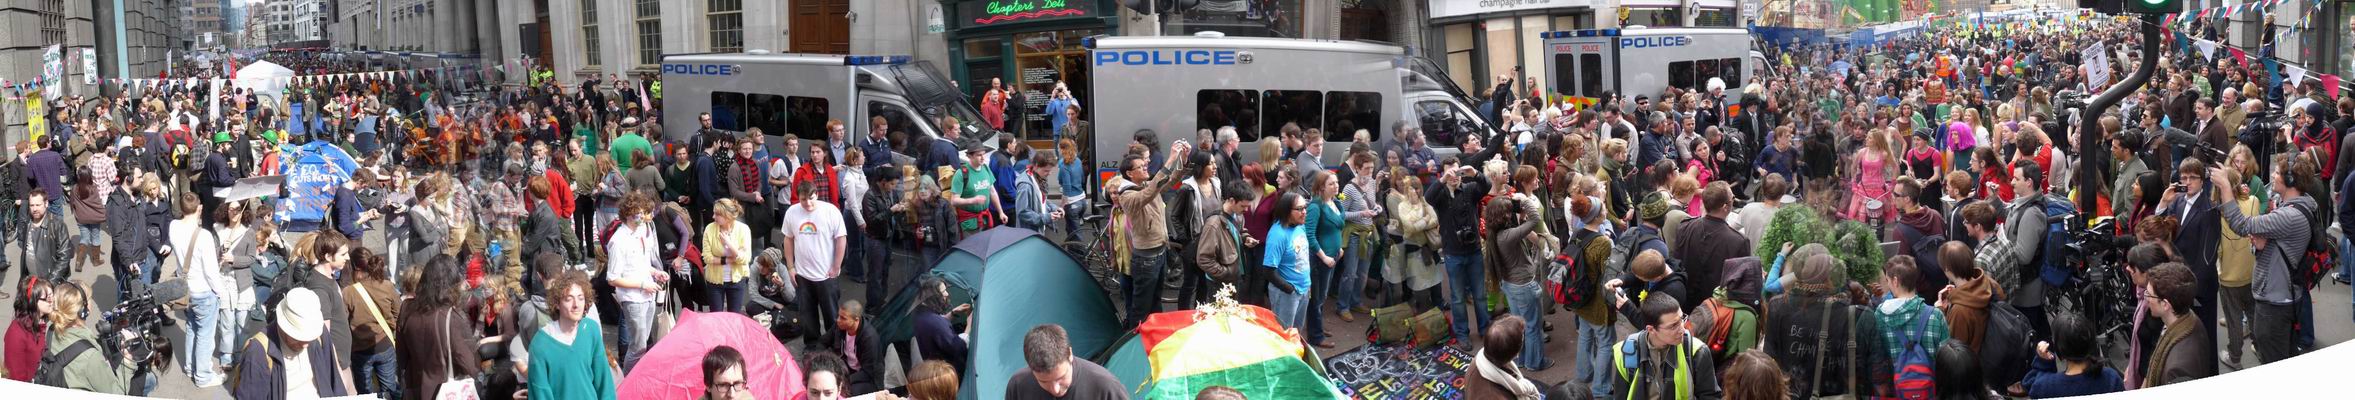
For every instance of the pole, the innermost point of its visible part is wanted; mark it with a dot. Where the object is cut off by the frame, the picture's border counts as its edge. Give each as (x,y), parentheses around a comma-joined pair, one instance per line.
(2095,157)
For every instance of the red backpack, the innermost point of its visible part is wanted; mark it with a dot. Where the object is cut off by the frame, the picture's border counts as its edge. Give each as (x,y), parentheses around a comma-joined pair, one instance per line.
(1915,379)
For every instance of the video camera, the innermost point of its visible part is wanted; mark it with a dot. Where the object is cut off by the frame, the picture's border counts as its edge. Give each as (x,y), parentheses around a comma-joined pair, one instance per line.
(136,326)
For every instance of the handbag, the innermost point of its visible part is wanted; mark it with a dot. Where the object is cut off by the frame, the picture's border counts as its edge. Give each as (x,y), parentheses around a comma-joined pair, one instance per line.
(454,389)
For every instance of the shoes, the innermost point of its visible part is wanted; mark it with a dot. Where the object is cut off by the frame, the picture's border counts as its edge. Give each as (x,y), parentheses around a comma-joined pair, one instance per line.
(214,382)
(2230,362)
(1326,344)
(1347,317)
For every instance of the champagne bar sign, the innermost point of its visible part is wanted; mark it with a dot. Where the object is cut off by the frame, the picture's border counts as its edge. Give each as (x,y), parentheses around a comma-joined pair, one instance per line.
(995,12)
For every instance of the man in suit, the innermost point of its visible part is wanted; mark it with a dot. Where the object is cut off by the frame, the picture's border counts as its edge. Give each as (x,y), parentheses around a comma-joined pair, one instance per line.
(861,348)
(2210,129)
(2195,238)
(2179,104)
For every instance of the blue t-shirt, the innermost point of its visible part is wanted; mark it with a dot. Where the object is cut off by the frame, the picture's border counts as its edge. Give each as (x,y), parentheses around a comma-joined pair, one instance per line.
(1289,254)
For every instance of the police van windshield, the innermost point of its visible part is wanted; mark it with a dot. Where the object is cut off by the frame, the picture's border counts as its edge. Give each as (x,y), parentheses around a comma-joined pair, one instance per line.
(1432,70)
(932,95)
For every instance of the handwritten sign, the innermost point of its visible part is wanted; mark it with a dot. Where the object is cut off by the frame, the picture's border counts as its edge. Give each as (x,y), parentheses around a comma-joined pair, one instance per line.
(1400,373)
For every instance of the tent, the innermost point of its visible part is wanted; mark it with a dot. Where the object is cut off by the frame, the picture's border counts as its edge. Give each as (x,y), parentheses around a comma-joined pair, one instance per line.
(1224,343)
(1018,279)
(264,78)
(311,179)
(673,368)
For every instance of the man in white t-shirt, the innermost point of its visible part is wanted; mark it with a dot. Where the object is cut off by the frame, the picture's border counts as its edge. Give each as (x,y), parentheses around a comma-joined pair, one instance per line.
(814,233)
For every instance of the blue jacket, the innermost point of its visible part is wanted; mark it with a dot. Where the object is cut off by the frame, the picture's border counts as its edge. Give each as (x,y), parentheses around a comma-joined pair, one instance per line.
(1029,212)
(258,375)
(708,187)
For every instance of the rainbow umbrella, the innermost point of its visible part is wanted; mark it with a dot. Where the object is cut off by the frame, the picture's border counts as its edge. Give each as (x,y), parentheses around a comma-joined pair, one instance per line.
(1227,344)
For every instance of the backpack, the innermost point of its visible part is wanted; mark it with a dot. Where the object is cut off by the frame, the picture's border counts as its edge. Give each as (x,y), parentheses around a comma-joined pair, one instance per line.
(1392,325)
(2318,258)
(2005,350)
(2052,266)
(52,372)
(1915,379)
(1573,283)
(1623,252)
(1734,331)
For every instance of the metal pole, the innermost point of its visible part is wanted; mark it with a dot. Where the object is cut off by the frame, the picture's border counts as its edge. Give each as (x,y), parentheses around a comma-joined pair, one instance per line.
(2095,157)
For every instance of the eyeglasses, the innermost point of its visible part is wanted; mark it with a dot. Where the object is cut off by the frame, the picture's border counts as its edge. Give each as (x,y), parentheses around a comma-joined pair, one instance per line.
(729,387)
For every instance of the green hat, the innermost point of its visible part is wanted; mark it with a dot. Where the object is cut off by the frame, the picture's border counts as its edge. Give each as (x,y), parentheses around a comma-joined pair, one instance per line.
(221,137)
(1654,207)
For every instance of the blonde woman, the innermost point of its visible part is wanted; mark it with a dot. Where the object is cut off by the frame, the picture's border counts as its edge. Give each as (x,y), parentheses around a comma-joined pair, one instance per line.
(90,370)
(1869,192)
(727,257)
(1416,226)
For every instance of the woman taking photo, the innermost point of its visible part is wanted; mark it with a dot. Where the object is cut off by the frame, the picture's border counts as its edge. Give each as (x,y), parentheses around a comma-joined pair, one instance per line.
(441,339)
(727,257)
(567,356)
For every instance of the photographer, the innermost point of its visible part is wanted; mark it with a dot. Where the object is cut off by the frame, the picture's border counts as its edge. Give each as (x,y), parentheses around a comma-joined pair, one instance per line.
(73,340)
(2279,235)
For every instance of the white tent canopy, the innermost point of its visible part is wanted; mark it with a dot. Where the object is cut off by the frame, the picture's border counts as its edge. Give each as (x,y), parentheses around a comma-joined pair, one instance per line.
(263,78)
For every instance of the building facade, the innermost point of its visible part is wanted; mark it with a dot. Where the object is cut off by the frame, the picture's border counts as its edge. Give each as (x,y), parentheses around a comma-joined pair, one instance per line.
(297,23)
(203,23)
(1478,40)
(607,37)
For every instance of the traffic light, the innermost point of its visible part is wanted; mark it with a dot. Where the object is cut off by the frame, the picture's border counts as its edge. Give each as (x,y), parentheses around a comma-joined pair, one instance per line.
(2154,6)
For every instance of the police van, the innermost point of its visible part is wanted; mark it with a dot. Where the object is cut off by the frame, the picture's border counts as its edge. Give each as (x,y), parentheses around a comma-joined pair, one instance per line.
(796,94)
(1587,63)
(1176,85)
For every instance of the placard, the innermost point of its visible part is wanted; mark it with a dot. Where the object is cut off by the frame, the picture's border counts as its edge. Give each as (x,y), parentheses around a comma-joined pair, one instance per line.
(1389,372)
(2097,65)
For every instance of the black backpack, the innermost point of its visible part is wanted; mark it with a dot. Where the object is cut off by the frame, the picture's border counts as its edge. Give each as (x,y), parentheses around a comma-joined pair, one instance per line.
(2008,345)
(52,372)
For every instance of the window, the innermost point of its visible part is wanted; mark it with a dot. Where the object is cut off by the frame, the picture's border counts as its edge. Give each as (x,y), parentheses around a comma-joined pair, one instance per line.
(1459,55)
(649,32)
(727,25)
(803,117)
(1347,112)
(1730,69)
(1298,107)
(1680,74)
(1223,108)
(1443,124)
(896,116)
(727,111)
(1590,75)
(589,40)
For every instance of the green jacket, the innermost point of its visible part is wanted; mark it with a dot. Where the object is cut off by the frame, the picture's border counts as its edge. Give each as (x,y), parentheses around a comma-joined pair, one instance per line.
(94,370)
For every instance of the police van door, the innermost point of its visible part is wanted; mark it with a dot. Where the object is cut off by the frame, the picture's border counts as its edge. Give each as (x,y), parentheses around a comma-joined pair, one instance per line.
(1584,68)
(897,117)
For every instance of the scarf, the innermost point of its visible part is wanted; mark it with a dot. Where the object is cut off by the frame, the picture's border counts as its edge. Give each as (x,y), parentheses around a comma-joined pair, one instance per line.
(2174,332)
(1506,375)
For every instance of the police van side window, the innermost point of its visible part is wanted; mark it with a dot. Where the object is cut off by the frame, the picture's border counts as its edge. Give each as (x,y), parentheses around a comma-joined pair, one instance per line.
(1730,69)
(803,117)
(1347,112)
(1300,107)
(727,111)
(897,118)
(1680,74)
(1215,109)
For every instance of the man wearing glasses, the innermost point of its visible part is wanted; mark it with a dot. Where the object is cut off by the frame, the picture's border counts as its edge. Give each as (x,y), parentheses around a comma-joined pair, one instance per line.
(2189,200)
(1654,368)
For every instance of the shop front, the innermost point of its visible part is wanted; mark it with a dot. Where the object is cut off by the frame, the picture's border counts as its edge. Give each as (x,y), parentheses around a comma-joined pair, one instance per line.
(1481,40)
(1029,46)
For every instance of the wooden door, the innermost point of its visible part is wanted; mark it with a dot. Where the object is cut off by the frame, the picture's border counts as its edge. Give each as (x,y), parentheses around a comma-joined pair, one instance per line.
(818,26)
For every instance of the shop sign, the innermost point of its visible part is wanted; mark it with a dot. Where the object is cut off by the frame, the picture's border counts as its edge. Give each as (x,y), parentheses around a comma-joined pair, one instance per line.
(980,13)
(1451,8)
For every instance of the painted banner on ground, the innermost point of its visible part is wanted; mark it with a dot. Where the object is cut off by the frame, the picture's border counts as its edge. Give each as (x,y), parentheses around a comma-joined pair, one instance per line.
(318,168)
(1385,372)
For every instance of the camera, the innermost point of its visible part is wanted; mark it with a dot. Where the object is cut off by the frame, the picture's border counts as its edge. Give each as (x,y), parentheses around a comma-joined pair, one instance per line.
(136,326)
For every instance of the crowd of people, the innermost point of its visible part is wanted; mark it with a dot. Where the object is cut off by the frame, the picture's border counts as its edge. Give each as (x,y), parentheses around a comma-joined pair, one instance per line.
(517,223)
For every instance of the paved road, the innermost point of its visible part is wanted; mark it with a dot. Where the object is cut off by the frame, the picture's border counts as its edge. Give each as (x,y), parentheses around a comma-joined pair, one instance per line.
(2335,314)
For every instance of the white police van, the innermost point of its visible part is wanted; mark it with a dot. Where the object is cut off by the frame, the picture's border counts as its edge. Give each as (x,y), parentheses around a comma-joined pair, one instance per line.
(796,94)
(1175,85)
(1585,64)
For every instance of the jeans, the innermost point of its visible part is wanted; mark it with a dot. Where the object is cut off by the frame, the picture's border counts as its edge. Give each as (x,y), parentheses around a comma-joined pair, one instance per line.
(880,285)
(1350,284)
(1526,300)
(1594,358)
(1320,291)
(204,318)
(1072,214)
(820,301)
(232,324)
(377,373)
(637,323)
(727,297)
(1143,284)
(2270,328)
(1463,279)
(1287,306)
(2304,307)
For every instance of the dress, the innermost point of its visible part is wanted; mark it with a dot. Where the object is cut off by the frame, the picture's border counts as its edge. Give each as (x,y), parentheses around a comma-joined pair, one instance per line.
(1871,186)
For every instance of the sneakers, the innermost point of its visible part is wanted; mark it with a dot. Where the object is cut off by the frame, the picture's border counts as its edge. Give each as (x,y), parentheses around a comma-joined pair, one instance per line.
(2230,362)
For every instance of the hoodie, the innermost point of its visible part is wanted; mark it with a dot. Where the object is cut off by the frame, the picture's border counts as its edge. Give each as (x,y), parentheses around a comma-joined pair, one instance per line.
(1910,321)
(1966,309)
(2286,234)
(1925,222)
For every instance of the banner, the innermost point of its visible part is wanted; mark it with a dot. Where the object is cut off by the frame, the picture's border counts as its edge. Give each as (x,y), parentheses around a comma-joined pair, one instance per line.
(35,123)
(53,67)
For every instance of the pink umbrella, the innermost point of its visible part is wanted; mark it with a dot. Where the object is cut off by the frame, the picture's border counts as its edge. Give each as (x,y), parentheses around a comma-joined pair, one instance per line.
(673,368)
